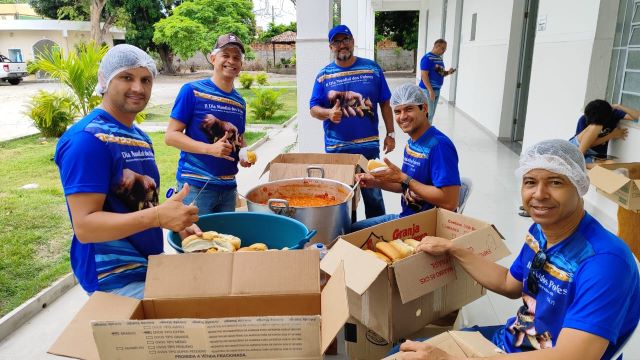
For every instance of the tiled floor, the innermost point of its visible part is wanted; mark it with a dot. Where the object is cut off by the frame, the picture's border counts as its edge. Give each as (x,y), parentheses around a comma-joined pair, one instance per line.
(494,198)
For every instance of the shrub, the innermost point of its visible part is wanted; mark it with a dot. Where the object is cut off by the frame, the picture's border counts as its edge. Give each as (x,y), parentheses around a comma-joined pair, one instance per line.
(261,79)
(52,112)
(265,104)
(246,80)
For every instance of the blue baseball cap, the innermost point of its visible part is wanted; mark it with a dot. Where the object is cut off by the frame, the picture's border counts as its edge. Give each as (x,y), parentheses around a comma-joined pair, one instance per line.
(339,29)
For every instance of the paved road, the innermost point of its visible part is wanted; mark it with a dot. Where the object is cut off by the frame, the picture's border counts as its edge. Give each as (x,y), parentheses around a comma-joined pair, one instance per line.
(15,98)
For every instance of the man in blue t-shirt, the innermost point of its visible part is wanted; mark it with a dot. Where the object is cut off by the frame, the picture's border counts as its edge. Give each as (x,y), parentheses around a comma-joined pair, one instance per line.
(598,125)
(207,124)
(432,74)
(429,175)
(346,95)
(111,182)
(579,283)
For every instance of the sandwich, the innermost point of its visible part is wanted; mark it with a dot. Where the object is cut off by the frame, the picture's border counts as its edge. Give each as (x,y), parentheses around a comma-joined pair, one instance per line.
(376,165)
(194,243)
(394,250)
(379,255)
(412,243)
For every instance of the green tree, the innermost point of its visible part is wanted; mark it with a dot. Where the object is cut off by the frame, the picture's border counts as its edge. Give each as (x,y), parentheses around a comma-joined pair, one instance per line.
(78,70)
(399,26)
(276,29)
(62,9)
(195,25)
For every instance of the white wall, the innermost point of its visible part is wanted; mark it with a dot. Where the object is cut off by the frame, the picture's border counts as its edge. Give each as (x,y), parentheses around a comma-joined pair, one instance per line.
(483,62)
(561,68)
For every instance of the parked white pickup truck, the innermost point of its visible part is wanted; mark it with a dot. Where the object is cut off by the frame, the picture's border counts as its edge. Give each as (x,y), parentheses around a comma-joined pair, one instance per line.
(10,71)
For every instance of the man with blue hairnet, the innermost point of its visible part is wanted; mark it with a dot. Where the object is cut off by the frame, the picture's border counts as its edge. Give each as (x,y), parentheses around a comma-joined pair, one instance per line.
(578,282)
(111,181)
(346,94)
(429,176)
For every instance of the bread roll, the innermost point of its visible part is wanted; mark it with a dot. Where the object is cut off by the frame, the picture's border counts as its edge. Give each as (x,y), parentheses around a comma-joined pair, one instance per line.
(196,245)
(388,250)
(404,249)
(413,243)
(380,256)
(223,245)
(212,250)
(209,235)
(252,157)
(376,165)
(259,247)
(246,248)
(235,241)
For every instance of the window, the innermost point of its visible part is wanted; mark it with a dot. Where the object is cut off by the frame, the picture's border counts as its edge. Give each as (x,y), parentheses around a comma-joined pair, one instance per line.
(443,30)
(624,72)
(474,20)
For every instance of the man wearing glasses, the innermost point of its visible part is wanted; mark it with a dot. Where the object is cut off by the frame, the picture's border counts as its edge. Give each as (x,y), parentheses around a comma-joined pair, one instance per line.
(579,282)
(429,176)
(346,95)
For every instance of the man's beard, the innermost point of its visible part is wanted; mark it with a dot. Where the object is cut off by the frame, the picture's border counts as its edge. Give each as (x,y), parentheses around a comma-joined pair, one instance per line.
(344,57)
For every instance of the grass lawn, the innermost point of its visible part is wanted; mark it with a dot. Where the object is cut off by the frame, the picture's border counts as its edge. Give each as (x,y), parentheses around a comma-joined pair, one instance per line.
(35,233)
(160,113)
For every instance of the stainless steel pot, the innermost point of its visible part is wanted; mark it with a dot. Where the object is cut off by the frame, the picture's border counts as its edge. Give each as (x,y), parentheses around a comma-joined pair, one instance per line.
(330,221)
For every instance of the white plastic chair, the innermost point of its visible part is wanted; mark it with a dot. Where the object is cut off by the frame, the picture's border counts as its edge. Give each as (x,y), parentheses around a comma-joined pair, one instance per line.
(634,338)
(466,185)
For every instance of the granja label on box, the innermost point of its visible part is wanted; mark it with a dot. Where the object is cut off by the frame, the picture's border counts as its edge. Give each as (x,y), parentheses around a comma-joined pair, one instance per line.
(413,232)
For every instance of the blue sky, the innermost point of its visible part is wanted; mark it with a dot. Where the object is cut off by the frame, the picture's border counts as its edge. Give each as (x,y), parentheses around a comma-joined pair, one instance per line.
(284,11)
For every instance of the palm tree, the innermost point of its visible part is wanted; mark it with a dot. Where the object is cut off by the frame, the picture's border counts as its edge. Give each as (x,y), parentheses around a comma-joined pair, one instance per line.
(78,70)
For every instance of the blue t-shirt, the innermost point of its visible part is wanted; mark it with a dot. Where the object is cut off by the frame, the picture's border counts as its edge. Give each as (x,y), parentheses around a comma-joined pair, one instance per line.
(615,119)
(93,156)
(435,66)
(431,160)
(357,133)
(226,112)
(590,283)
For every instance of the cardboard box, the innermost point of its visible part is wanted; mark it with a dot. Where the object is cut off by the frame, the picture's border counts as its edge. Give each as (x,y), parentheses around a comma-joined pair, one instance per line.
(339,167)
(464,344)
(397,300)
(621,189)
(247,305)
(364,344)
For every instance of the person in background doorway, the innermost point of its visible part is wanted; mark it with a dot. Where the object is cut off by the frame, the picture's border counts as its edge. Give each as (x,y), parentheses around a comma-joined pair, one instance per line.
(598,125)
(432,74)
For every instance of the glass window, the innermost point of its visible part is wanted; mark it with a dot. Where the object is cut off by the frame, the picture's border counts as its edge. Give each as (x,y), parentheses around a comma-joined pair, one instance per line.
(619,72)
(619,23)
(635,36)
(612,72)
(631,81)
(627,22)
(630,100)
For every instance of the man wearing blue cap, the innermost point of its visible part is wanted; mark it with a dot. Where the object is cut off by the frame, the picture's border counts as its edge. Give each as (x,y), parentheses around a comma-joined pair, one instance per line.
(345,96)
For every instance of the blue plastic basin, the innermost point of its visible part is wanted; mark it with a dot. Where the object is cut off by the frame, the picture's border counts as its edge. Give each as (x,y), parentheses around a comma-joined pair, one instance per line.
(275,231)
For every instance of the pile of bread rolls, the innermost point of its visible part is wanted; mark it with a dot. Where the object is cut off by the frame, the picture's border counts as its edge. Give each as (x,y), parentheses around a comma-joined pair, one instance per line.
(394,250)
(213,242)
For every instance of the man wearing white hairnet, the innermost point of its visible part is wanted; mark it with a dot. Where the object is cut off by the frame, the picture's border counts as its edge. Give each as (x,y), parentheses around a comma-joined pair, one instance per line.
(207,124)
(578,282)
(429,176)
(111,181)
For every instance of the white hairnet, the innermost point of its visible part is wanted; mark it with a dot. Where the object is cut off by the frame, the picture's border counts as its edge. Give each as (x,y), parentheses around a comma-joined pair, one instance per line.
(408,94)
(557,156)
(121,58)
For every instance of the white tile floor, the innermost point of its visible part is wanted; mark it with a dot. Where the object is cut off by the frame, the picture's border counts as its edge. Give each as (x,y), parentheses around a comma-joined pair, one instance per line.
(495,198)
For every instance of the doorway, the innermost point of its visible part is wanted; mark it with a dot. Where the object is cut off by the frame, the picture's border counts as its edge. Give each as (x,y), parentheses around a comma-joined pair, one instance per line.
(524,70)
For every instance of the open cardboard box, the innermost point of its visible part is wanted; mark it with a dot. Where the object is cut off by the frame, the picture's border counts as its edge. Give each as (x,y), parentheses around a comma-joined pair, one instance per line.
(339,167)
(248,305)
(464,344)
(400,299)
(621,189)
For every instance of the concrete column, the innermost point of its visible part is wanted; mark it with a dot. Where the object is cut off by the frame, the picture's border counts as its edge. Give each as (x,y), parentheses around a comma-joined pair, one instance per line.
(359,16)
(312,53)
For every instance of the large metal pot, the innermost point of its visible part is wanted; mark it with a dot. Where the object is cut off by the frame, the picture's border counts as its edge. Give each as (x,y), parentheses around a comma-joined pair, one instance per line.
(330,221)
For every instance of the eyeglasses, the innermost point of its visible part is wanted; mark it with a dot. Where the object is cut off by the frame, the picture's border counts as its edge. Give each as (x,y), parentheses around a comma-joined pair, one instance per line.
(344,41)
(536,265)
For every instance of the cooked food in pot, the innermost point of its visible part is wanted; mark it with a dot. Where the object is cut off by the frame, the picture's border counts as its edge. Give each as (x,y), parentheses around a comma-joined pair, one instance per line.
(310,200)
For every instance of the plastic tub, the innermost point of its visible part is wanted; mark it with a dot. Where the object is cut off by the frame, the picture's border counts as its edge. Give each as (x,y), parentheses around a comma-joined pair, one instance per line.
(275,231)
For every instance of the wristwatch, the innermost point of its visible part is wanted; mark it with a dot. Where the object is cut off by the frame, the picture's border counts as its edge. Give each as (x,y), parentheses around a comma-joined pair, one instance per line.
(392,134)
(405,183)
